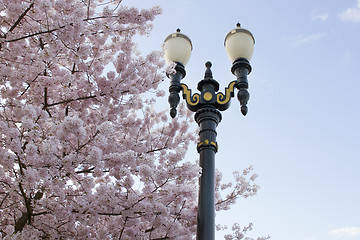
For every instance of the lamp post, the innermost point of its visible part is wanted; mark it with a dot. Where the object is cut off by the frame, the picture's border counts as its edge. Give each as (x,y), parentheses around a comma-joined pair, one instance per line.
(239,44)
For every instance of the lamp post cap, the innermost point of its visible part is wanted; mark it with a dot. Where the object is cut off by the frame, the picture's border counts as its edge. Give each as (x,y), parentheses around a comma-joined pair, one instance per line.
(208,72)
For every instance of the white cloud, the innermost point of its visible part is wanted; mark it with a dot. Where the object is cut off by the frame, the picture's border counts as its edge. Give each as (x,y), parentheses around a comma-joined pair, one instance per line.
(351,14)
(319,16)
(301,39)
(346,231)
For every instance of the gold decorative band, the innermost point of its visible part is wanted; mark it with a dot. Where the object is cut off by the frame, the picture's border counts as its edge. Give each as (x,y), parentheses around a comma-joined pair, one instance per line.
(207,142)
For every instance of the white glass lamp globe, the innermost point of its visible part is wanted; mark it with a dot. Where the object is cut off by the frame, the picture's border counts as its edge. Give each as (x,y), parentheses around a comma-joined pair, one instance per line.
(177,48)
(239,43)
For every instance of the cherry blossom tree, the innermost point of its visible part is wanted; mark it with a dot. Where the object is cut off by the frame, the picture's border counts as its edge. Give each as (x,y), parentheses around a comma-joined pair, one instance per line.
(83,153)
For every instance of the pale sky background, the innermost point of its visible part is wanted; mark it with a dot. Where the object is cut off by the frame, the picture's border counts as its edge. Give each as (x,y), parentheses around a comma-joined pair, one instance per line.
(302,132)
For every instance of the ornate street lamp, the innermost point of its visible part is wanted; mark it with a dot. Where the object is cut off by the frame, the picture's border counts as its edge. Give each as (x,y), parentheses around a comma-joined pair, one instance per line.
(239,44)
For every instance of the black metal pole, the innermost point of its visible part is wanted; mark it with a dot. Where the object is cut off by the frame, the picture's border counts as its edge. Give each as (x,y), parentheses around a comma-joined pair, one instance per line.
(207,105)
(208,119)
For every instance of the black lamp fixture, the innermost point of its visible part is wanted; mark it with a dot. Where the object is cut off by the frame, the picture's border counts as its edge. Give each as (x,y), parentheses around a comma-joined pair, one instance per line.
(207,104)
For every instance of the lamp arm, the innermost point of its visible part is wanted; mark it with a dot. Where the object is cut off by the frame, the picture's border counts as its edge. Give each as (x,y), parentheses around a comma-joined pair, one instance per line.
(241,69)
(175,88)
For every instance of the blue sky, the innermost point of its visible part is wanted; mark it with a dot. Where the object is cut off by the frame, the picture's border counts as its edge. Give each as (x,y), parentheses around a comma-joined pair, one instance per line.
(302,132)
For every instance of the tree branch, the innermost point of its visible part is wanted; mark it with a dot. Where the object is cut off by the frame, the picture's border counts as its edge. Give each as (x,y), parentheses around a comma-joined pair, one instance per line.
(29,84)
(40,213)
(21,17)
(122,230)
(93,137)
(89,170)
(88,10)
(157,149)
(3,200)
(35,34)
(46,102)
(166,237)
(26,216)
(72,100)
